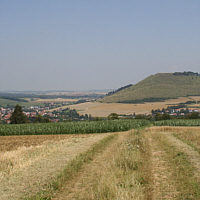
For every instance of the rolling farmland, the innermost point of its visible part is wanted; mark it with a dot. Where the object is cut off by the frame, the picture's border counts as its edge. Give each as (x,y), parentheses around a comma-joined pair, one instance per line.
(104,109)
(158,162)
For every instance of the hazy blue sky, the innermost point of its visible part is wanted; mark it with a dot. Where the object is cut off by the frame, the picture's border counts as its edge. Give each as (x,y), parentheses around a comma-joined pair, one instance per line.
(95,44)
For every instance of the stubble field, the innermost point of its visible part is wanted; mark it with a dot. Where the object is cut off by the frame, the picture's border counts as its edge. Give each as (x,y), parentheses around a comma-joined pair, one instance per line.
(104,109)
(152,163)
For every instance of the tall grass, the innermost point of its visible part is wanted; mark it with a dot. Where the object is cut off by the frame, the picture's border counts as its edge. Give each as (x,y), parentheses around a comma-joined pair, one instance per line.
(71,128)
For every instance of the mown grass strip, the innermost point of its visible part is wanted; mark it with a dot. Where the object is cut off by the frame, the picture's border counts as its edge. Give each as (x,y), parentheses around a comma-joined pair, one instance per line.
(72,169)
(122,176)
(187,185)
(187,142)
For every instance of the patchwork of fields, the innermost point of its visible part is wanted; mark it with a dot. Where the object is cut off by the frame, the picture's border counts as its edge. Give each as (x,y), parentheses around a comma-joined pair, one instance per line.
(154,163)
(97,109)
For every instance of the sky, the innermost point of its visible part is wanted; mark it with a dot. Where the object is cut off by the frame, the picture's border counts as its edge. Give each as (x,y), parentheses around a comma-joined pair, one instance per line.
(95,44)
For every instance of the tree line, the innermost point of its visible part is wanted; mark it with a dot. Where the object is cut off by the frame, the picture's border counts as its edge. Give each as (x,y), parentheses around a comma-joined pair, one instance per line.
(189,73)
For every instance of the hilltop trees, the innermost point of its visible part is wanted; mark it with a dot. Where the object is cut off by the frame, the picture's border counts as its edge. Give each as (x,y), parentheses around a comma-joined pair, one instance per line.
(18,116)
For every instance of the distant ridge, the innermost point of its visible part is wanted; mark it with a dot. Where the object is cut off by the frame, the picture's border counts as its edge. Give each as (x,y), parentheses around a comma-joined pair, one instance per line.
(158,87)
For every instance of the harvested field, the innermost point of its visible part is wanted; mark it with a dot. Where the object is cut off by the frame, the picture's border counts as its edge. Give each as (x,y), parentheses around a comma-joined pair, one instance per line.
(9,143)
(32,167)
(55,100)
(154,163)
(104,109)
(195,98)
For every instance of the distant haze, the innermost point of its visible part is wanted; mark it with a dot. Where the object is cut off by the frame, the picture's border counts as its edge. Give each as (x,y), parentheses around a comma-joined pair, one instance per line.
(86,45)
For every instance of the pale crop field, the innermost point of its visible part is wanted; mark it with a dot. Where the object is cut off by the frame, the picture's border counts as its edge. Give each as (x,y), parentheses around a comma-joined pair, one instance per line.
(55,100)
(97,109)
(196,98)
(159,162)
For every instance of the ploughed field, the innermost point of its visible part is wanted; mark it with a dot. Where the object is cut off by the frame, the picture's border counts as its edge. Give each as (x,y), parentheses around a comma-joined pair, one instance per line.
(158,162)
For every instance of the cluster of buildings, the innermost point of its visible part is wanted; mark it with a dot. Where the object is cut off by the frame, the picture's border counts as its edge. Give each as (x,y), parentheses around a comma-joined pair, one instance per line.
(31,112)
(5,114)
(177,112)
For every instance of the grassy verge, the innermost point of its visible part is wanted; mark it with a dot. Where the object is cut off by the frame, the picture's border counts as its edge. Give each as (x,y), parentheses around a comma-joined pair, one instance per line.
(71,169)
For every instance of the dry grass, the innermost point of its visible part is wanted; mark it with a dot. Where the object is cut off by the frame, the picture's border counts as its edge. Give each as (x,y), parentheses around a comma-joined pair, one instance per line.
(175,165)
(114,174)
(155,163)
(8,143)
(27,170)
(189,135)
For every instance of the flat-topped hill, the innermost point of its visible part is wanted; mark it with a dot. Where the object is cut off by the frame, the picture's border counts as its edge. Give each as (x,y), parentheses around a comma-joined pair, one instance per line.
(158,87)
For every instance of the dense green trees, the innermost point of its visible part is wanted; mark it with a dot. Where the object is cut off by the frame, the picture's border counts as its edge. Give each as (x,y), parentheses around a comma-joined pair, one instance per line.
(113,116)
(18,116)
(194,115)
(40,119)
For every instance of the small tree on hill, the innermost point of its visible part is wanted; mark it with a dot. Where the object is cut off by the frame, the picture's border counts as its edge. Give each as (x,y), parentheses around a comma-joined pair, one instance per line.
(18,116)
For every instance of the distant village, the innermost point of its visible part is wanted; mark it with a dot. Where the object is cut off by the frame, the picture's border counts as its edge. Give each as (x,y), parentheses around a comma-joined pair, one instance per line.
(58,114)
(177,112)
(55,113)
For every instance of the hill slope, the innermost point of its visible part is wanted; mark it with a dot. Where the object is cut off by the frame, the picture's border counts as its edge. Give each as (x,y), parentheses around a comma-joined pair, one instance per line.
(157,87)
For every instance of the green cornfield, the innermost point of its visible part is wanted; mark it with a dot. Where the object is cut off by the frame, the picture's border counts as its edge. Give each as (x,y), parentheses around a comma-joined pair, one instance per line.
(87,127)
(71,127)
(179,122)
